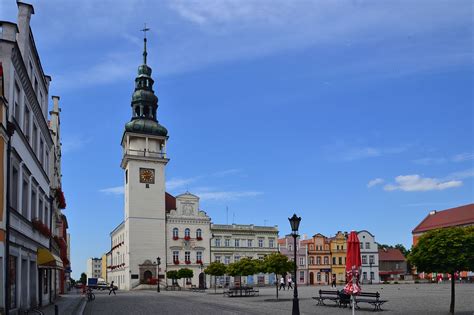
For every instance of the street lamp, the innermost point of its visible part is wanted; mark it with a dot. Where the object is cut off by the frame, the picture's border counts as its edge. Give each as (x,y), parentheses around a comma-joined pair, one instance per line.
(295,223)
(158,262)
(370,274)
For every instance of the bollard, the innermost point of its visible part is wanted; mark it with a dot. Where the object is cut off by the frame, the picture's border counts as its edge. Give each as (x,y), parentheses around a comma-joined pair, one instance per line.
(56,310)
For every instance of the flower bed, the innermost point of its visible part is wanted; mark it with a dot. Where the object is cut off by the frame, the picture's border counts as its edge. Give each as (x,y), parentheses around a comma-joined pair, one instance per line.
(187,238)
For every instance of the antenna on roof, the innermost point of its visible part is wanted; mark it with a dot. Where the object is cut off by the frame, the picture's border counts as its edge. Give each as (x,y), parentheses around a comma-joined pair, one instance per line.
(233,217)
(226,215)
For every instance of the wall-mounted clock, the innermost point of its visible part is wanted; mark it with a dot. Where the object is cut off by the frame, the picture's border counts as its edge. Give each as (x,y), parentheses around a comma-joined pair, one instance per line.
(147,175)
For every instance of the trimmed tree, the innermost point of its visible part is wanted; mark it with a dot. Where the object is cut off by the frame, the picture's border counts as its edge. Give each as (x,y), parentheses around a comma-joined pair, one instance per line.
(216,269)
(173,275)
(447,250)
(185,273)
(83,278)
(243,267)
(278,264)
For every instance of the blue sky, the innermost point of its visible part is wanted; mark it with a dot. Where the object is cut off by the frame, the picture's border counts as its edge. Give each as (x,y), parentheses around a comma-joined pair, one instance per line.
(354,115)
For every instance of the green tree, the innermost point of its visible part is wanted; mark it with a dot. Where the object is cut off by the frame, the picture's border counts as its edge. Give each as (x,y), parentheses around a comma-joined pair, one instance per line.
(216,269)
(173,275)
(185,273)
(278,264)
(83,278)
(244,267)
(446,250)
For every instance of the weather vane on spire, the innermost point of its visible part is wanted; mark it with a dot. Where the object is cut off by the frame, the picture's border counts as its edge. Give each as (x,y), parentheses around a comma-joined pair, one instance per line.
(144,30)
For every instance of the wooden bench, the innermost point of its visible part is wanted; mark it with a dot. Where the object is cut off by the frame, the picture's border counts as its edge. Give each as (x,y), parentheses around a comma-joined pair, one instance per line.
(371,298)
(327,295)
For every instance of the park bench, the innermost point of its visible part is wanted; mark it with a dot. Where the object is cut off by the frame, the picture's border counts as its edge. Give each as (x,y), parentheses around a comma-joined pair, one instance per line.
(327,295)
(371,298)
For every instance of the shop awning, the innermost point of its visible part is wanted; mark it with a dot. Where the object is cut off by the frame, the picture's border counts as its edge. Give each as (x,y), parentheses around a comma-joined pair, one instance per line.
(46,259)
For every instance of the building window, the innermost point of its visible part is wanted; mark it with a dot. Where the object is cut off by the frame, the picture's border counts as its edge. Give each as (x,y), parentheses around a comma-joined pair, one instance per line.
(337,247)
(41,152)
(227,242)
(187,256)
(218,258)
(187,233)
(175,256)
(334,260)
(227,260)
(17,103)
(199,234)
(367,245)
(33,206)
(34,139)
(290,248)
(371,259)
(340,260)
(249,243)
(14,193)
(372,275)
(45,281)
(271,243)
(318,260)
(24,197)
(326,260)
(26,123)
(318,276)
(236,258)
(364,259)
(361,245)
(237,243)
(199,257)
(302,276)
(260,242)
(301,261)
(311,247)
(218,243)
(175,233)
(311,260)
(364,275)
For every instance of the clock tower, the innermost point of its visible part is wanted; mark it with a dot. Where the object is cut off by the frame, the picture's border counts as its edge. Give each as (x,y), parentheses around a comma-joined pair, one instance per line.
(144,160)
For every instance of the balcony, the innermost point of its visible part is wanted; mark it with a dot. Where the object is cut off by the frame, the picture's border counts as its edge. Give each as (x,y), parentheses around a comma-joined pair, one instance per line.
(145,153)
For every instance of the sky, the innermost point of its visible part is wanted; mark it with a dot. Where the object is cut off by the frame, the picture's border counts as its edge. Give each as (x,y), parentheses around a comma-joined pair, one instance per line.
(352,114)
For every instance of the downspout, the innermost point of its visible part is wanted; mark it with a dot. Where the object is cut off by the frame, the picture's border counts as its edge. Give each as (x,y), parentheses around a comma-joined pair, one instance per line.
(10,131)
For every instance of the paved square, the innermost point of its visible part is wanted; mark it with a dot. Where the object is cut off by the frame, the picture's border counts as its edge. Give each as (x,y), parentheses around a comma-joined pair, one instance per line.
(403,299)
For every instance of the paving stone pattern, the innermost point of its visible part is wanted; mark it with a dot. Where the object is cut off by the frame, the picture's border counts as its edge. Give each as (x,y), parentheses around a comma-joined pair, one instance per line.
(403,299)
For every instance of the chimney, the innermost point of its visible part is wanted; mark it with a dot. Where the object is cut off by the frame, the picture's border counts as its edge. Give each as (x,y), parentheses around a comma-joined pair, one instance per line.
(25,11)
(55,103)
(432,212)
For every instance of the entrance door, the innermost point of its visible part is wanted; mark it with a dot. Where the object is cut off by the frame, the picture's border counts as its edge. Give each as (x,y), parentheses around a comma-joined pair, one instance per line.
(202,281)
(311,278)
(147,275)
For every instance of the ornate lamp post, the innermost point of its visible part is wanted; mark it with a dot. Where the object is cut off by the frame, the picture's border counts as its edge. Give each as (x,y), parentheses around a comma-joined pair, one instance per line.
(295,223)
(158,262)
(370,274)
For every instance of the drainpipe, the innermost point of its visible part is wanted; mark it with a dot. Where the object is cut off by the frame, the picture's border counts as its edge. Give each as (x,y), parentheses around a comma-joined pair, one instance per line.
(10,132)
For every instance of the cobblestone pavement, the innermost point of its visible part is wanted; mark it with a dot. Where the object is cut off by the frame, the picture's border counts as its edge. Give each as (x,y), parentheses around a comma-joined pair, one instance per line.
(403,299)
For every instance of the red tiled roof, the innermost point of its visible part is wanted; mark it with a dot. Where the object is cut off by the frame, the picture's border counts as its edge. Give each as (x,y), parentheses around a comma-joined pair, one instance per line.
(462,215)
(306,241)
(390,254)
(170,202)
(282,241)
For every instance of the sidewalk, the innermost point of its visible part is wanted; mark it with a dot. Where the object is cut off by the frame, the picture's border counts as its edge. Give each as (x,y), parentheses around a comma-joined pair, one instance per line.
(68,304)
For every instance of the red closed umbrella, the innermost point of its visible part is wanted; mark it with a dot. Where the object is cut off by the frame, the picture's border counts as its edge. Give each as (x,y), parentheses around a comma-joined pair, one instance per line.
(353,263)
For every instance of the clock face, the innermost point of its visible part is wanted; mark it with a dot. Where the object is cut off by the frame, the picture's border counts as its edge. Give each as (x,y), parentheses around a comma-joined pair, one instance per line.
(147,175)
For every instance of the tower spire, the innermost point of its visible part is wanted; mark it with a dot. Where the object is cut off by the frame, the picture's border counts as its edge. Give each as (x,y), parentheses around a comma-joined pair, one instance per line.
(144,30)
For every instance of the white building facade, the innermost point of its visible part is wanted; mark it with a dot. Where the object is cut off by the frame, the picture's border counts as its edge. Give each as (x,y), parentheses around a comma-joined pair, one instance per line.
(188,238)
(369,257)
(94,267)
(231,242)
(32,265)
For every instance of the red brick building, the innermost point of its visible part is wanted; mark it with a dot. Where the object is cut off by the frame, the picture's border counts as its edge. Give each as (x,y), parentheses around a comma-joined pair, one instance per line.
(392,264)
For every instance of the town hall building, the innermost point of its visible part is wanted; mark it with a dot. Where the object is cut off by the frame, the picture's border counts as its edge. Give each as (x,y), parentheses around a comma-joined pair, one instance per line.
(159,232)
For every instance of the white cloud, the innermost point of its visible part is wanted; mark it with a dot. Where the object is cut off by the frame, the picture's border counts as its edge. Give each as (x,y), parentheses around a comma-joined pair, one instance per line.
(429,161)
(463,157)
(461,174)
(374,182)
(176,183)
(118,190)
(348,152)
(226,195)
(418,183)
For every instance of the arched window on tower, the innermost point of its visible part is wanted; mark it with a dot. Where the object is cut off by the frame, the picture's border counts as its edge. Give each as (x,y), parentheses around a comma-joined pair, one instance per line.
(175,233)
(137,111)
(199,234)
(146,111)
(187,233)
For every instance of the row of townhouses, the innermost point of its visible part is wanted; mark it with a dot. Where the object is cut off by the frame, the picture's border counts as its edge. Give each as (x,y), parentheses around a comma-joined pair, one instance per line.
(34,242)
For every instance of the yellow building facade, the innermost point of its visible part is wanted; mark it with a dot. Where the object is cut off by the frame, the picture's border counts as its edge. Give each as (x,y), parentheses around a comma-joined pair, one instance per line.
(103,273)
(338,253)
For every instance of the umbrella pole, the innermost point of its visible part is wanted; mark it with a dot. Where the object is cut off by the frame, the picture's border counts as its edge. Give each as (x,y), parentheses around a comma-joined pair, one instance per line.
(353,286)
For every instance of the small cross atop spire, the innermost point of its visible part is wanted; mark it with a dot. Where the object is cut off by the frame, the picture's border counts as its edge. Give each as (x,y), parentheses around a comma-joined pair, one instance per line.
(144,30)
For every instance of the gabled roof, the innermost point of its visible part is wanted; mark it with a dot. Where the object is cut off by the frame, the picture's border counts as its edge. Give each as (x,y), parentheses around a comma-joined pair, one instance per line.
(170,202)
(458,216)
(390,254)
